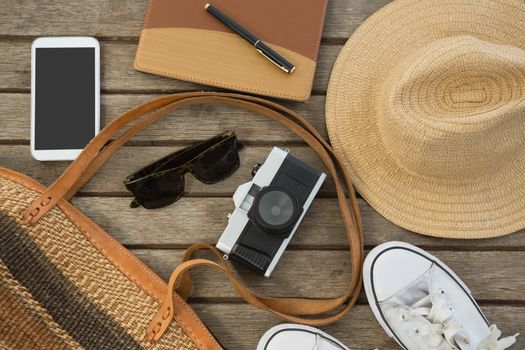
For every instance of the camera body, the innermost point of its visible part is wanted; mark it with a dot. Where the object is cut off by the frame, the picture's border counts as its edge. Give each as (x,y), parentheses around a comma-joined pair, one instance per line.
(268,210)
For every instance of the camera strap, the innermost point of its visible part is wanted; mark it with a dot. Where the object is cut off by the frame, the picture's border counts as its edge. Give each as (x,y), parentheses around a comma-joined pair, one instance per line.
(299,310)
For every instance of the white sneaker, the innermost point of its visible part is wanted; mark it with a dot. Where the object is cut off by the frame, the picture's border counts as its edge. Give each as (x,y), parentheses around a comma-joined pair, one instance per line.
(298,337)
(422,304)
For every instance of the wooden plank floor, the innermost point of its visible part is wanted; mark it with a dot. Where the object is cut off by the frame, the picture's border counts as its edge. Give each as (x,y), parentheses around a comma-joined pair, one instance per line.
(316,264)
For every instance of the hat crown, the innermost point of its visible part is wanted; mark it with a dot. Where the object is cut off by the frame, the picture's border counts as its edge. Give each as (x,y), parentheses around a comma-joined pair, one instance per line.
(455,109)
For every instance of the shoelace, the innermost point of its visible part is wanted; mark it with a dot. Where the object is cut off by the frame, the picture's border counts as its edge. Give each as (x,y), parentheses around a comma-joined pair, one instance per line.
(444,327)
(318,342)
(492,342)
(318,339)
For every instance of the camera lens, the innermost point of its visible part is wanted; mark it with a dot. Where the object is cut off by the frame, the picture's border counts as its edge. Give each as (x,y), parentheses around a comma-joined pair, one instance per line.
(276,209)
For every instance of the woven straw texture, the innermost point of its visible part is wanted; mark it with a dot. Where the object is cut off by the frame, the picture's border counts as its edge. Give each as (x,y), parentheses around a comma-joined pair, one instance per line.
(426,105)
(57,291)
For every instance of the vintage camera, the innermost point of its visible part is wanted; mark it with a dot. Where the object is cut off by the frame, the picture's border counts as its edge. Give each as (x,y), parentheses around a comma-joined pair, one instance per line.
(268,210)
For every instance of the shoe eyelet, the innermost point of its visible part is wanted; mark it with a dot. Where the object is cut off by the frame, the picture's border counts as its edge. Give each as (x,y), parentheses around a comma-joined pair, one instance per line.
(451,308)
(416,331)
(441,291)
(403,316)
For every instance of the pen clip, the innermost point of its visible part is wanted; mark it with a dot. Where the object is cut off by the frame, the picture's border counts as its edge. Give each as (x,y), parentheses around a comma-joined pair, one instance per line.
(269,59)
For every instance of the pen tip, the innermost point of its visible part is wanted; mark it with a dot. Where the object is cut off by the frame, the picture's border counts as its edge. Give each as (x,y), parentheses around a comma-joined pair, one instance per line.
(206,6)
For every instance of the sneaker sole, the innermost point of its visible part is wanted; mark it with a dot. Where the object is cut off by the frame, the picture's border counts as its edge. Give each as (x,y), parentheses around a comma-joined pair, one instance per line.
(288,326)
(367,280)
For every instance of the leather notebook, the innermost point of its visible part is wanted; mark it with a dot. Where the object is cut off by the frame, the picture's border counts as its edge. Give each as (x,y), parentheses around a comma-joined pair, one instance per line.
(180,39)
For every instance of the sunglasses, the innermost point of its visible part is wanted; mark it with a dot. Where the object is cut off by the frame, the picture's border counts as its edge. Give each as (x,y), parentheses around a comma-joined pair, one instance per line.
(162,183)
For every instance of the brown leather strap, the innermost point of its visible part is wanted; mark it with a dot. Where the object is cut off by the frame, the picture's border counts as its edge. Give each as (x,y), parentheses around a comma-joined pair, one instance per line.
(97,152)
(295,306)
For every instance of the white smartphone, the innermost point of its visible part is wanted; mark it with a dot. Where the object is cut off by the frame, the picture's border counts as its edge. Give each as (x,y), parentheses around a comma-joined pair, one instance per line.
(65,96)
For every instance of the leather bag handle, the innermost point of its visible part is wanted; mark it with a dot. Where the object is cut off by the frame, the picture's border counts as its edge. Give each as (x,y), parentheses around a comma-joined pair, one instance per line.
(98,151)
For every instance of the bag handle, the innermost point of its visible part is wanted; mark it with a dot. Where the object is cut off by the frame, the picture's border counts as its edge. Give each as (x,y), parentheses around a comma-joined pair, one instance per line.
(75,176)
(97,152)
(67,181)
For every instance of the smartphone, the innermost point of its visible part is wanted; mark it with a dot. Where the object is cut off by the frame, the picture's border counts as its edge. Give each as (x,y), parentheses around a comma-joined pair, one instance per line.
(65,96)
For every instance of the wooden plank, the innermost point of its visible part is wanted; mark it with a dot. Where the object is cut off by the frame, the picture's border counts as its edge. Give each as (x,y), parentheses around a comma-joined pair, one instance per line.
(199,218)
(203,219)
(124,18)
(117,73)
(187,124)
(325,274)
(241,326)
(130,159)
(116,69)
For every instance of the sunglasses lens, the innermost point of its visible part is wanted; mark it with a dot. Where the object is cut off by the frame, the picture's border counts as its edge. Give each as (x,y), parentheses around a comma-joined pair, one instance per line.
(157,191)
(217,163)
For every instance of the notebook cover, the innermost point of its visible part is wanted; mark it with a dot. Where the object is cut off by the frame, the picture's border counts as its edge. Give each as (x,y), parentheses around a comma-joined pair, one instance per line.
(180,39)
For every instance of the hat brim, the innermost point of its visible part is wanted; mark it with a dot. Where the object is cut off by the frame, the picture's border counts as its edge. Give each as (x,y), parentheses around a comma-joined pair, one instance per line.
(488,206)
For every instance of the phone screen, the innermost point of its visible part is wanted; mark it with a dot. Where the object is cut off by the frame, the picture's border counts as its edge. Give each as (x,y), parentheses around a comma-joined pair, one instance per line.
(64,98)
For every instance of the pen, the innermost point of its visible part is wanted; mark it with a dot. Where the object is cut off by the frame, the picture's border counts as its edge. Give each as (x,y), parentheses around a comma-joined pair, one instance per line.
(259,45)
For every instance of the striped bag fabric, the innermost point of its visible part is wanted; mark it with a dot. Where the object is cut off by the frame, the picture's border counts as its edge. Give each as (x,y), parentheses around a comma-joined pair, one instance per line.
(67,284)
(59,291)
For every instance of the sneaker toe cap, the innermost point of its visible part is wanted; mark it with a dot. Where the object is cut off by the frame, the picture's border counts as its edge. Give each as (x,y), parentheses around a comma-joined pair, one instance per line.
(395,268)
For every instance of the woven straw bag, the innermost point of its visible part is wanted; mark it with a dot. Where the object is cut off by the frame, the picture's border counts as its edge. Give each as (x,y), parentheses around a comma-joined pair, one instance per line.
(67,284)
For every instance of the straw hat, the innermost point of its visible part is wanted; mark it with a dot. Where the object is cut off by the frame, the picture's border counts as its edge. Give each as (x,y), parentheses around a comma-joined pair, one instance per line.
(426,105)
